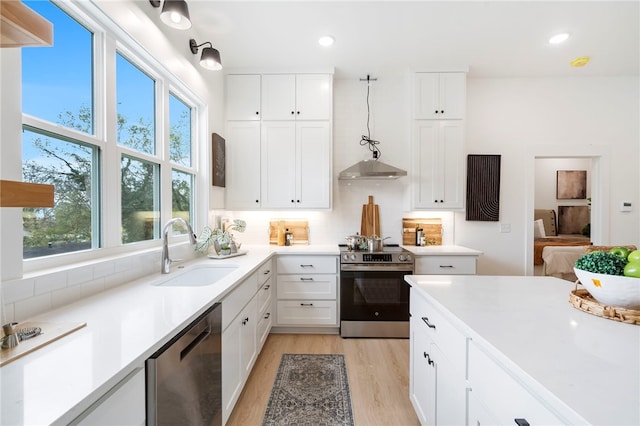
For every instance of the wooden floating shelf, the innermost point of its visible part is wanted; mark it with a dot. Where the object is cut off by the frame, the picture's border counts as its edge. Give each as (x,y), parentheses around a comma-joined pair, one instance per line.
(23,194)
(21,26)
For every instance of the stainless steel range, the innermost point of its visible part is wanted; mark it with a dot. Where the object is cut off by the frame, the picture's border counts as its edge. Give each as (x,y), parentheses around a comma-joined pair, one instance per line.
(374,297)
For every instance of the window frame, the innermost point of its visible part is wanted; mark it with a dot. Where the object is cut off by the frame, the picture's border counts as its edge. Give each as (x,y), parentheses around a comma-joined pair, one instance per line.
(109,39)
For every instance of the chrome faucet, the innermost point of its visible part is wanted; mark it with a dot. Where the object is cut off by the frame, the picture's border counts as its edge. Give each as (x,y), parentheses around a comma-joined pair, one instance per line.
(166,261)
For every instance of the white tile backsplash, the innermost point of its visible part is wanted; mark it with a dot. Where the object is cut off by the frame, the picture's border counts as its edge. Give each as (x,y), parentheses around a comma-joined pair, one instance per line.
(30,307)
(50,282)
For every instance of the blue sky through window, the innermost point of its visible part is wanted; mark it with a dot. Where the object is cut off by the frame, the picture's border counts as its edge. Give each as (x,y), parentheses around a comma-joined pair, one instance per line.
(58,79)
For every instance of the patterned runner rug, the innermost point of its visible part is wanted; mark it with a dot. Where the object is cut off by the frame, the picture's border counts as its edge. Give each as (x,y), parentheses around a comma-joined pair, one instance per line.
(310,390)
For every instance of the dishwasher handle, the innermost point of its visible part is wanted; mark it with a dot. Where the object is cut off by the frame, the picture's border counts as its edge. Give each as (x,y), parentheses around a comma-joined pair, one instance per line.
(195,342)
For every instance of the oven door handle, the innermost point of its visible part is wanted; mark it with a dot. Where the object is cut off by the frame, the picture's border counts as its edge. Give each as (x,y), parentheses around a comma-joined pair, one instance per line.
(377,267)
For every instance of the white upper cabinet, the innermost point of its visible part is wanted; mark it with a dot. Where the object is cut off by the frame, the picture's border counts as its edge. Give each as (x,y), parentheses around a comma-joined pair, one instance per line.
(438,164)
(296,164)
(243,165)
(243,97)
(440,96)
(296,96)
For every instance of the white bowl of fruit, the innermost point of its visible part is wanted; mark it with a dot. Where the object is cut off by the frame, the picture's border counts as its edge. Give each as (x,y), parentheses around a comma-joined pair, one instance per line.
(613,277)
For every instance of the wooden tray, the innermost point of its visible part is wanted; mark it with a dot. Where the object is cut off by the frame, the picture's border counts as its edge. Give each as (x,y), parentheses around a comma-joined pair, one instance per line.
(226,256)
(583,300)
(50,333)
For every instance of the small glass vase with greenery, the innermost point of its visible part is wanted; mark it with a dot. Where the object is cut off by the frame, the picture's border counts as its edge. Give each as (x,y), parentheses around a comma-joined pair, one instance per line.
(221,239)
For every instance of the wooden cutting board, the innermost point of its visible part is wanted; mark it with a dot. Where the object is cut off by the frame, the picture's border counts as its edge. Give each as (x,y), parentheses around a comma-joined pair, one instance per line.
(370,224)
(432,229)
(50,333)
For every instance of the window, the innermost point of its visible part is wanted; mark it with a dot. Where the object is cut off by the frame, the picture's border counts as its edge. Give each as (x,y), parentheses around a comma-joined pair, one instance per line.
(57,81)
(136,107)
(140,195)
(180,154)
(61,94)
(70,166)
(118,170)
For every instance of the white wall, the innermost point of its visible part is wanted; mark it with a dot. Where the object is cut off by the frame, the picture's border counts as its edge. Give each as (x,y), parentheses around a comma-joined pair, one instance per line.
(520,118)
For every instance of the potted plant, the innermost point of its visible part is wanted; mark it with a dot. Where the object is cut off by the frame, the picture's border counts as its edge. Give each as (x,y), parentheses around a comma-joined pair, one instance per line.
(221,239)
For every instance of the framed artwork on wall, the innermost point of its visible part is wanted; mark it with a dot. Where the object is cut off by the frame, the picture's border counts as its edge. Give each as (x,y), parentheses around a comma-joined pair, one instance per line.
(571,184)
(218,160)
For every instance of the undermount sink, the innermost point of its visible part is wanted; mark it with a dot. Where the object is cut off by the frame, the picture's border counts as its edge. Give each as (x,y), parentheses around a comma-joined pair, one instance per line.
(197,276)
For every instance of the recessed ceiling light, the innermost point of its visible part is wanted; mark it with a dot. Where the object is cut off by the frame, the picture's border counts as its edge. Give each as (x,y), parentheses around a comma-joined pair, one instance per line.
(559,38)
(326,40)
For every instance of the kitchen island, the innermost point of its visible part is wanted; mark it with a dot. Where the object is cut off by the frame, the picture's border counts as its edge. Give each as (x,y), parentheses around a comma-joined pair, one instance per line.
(519,336)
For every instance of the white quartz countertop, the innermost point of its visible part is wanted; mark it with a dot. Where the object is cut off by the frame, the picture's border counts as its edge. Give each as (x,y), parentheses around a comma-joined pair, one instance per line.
(125,325)
(589,363)
(446,250)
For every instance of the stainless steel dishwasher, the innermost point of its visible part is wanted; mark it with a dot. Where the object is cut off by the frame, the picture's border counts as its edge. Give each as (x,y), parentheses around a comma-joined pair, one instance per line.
(184,377)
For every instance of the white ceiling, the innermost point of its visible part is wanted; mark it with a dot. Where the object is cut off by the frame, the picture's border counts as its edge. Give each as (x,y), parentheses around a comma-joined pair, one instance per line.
(490,38)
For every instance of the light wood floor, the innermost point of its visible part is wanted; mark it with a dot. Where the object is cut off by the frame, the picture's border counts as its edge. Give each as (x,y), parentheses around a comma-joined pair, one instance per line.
(378,371)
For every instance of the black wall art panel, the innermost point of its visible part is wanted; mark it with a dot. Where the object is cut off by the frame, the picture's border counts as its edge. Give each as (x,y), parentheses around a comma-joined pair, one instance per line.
(483,188)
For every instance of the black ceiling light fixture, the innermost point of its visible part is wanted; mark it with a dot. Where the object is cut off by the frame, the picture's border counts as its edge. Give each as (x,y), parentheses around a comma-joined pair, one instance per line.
(210,58)
(175,13)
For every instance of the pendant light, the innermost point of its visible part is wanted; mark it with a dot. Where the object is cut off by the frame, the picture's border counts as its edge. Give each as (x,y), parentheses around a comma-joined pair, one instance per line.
(175,13)
(210,58)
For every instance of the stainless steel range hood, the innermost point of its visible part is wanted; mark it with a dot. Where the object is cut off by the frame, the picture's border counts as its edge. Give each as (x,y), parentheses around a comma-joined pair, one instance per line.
(371,169)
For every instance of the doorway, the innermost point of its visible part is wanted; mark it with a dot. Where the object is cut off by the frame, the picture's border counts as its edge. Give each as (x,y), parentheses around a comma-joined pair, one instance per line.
(597,181)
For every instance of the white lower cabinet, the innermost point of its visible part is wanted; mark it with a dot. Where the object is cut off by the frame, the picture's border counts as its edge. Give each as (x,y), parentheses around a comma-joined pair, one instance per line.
(437,381)
(445,265)
(456,381)
(492,386)
(244,331)
(123,405)
(307,291)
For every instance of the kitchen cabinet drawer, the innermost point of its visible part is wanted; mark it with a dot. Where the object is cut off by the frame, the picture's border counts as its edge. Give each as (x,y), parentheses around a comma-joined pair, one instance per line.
(445,265)
(307,286)
(264,296)
(305,312)
(429,320)
(307,265)
(502,394)
(265,321)
(235,301)
(265,271)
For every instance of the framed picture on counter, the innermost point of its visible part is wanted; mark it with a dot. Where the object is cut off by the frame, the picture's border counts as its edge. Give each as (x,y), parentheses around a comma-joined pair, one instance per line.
(218,160)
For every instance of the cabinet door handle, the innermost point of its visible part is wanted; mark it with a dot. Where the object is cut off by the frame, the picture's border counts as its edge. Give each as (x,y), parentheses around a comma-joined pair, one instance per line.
(267,315)
(292,112)
(267,272)
(298,112)
(426,321)
(521,422)
(446,266)
(428,358)
(306,279)
(308,265)
(267,287)
(257,112)
(306,304)
(441,111)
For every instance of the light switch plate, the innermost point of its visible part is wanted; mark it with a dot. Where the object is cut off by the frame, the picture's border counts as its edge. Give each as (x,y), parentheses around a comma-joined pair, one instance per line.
(625,206)
(505,228)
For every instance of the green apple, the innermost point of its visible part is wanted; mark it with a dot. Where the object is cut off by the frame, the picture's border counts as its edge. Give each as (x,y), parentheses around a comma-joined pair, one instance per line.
(621,252)
(634,256)
(632,269)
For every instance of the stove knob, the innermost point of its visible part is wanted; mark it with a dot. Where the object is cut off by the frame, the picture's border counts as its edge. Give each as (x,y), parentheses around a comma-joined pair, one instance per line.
(404,258)
(345,256)
(353,256)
